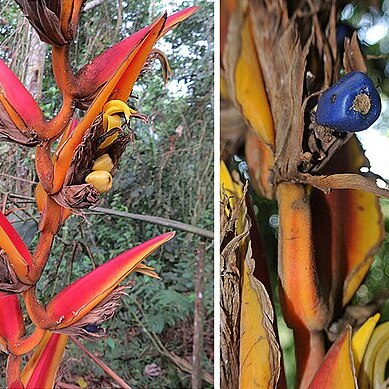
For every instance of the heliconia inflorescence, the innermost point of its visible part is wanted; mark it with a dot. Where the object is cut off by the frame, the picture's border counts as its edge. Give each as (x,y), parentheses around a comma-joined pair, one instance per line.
(71,178)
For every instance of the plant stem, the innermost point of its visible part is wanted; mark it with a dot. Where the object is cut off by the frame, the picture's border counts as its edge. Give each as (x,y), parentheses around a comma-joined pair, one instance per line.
(28,342)
(158,220)
(13,369)
(41,255)
(35,309)
(100,363)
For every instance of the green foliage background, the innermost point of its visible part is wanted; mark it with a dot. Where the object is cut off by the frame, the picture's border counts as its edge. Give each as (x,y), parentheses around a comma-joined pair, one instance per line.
(168,173)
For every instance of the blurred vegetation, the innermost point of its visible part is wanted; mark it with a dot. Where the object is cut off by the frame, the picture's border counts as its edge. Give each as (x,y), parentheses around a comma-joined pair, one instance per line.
(168,172)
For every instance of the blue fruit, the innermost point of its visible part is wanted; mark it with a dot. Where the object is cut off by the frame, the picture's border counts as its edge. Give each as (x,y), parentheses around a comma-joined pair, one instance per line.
(352,104)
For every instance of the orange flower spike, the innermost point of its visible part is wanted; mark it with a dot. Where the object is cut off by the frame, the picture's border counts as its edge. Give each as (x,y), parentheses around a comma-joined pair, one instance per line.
(178,17)
(302,302)
(79,298)
(17,252)
(125,84)
(127,81)
(65,154)
(337,370)
(42,368)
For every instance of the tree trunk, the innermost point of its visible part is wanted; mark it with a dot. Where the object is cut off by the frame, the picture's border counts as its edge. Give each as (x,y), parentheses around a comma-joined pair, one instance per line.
(35,64)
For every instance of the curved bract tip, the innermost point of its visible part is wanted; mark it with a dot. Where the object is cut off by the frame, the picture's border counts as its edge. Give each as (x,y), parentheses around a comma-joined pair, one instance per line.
(21,107)
(79,298)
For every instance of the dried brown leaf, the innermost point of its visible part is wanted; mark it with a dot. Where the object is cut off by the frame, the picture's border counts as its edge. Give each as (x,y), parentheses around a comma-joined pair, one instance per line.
(283,59)
(353,59)
(44,16)
(344,181)
(230,262)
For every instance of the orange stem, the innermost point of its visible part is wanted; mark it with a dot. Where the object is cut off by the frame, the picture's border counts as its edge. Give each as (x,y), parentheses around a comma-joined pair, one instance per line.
(309,351)
(300,291)
(27,343)
(62,70)
(35,309)
(64,77)
(44,165)
(41,255)
(13,369)
(56,126)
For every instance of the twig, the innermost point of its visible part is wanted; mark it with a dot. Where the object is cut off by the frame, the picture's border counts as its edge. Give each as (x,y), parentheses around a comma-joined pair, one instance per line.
(3,206)
(86,247)
(18,178)
(198,324)
(100,363)
(16,196)
(157,220)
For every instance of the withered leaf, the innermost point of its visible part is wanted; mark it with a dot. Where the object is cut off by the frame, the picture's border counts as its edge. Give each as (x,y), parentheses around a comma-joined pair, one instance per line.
(282,58)
(353,59)
(83,158)
(260,356)
(44,16)
(230,258)
(88,326)
(76,197)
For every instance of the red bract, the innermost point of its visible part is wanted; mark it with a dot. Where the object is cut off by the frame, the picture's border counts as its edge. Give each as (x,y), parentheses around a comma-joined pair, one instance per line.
(18,254)
(11,321)
(22,118)
(41,369)
(86,83)
(79,298)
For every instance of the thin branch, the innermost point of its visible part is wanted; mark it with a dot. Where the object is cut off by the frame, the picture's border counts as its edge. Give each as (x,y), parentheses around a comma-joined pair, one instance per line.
(157,220)
(145,218)
(18,178)
(100,363)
